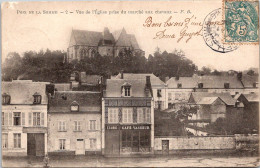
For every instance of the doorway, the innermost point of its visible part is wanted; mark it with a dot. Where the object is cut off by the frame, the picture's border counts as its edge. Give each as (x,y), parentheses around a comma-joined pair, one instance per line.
(35,144)
(165,146)
(80,149)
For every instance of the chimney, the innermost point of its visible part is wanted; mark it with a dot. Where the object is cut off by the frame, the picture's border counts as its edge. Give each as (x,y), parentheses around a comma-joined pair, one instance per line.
(148,81)
(177,77)
(122,74)
(50,89)
(239,76)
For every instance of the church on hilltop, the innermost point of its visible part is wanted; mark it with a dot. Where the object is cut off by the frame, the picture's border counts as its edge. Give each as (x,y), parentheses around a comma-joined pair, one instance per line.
(85,43)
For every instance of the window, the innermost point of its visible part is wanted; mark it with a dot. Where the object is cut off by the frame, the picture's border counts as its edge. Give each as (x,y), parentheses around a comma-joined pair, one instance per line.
(62,125)
(4,140)
(177,95)
(17,140)
(254,84)
(36,119)
(113,115)
(17,118)
(169,96)
(226,85)
(159,93)
(62,144)
(200,85)
(74,107)
(92,125)
(159,105)
(143,115)
(3,118)
(37,98)
(127,115)
(83,54)
(127,91)
(77,126)
(179,85)
(93,143)
(6,98)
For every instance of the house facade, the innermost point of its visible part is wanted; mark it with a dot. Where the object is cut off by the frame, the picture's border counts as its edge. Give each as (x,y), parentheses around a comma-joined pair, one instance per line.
(159,88)
(127,117)
(85,43)
(24,118)
(74,123)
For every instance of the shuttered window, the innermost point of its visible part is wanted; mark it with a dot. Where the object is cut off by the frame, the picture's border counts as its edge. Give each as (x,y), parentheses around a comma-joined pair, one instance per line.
(127,115)
(113,115)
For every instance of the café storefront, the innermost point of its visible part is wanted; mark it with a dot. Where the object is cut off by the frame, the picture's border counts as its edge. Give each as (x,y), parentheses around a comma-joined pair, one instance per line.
(127,139)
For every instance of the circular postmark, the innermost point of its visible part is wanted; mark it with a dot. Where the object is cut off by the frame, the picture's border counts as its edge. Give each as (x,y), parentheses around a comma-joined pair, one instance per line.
(212,32)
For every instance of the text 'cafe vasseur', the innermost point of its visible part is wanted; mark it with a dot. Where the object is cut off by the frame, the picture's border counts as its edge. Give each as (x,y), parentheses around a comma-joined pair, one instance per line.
(127,139)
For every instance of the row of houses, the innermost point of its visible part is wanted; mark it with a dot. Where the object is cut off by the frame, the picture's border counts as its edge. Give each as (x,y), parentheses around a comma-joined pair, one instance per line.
(116,118)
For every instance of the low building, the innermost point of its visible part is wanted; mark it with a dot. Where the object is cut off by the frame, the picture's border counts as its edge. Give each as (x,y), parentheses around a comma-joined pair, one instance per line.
(74,125)
(127,117)
(24,118)
(251,110)
(158,86)
(211,107)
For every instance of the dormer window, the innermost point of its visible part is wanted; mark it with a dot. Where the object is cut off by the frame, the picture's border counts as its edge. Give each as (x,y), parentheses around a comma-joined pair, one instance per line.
(126,90)
(179,85)
(159,93)
(200,85)
(37,98)
(6,98)
(74,106)
(226,85)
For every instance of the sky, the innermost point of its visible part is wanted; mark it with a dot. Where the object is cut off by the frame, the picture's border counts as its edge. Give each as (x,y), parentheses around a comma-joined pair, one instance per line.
(22,31)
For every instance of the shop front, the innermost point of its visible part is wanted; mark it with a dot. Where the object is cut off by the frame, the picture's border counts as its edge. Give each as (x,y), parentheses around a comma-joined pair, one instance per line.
(127,139)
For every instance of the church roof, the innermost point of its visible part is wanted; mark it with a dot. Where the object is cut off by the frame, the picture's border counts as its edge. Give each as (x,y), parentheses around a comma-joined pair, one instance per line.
(84,37)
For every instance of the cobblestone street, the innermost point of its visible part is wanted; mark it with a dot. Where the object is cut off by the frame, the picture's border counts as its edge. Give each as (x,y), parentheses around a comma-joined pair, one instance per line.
(170,161)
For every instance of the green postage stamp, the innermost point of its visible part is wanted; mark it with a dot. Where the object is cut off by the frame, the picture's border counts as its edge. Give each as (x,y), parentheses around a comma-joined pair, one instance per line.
(241,22)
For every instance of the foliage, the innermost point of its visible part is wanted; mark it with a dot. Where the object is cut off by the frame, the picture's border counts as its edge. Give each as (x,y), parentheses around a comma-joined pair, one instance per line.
(50,65)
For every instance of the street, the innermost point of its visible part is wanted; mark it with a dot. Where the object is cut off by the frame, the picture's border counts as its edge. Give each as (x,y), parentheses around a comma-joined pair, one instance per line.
(168,161)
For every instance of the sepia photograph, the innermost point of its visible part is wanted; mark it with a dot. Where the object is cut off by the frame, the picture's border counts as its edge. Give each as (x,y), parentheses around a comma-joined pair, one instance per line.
(130,83)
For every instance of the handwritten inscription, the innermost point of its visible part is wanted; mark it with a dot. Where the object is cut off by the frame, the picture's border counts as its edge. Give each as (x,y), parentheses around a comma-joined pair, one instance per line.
(187,28)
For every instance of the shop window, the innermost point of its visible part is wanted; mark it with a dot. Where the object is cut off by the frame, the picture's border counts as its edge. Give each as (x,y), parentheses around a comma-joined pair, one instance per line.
(92,124)
(113,115)
(159,93)
(93,143)
(4,140)
(126,139)
(77,126)
(6,99)
(37,98)
(62,125)
(17,140)
(62,144)
(17,118)
(127,115)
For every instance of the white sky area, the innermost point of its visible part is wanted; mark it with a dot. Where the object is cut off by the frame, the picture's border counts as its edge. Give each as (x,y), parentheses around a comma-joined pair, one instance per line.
(24,32)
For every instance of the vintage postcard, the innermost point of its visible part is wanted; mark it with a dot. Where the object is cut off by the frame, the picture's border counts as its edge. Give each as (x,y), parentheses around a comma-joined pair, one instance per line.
(130,83)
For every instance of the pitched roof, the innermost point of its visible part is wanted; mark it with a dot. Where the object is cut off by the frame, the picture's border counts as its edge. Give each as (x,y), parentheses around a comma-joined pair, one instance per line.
(186,82)
(155,81)
(252,97)
(207,100)
(87,101)
(62,86)
(248,81)
(113,87)
(22,91)
(225,97)
(90,79)
(124,39)
(219,81)
(84,37)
